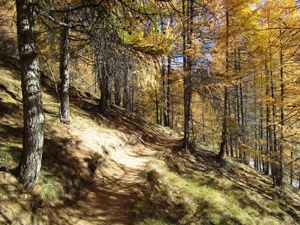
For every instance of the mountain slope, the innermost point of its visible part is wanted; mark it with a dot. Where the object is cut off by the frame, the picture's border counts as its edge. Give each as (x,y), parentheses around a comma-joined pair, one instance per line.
(119,169)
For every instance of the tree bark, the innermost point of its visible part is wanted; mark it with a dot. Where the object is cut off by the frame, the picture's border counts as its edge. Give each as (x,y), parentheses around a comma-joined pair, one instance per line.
(203,119)
(279,155)
(267,121)
(105,87)
(261,130)
(126,93)
(168,119)
(256,166)
(238,111)
(230,129)
(132,93)
(224,123)
(157,106)
(187,68)
(224,127)
(291,169)
(117,90)
(187,111)
(33,130)
(243,116)
(164,91)
(64,72)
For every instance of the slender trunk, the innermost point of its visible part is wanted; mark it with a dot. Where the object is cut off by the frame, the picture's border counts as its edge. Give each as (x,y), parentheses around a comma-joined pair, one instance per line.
(291,169)
(157,106)
(187,111)
(236,68)
(281,141)
(267,121)
(243,116)
(164,93)
(33,130)
(275,165)
(117,90)
(203,120)
(279,153)
(132,93)
(224,123)
(105,86)
(64,72)
(238,120)
(230,128)
(168,93)
(256,166)
(172,112)
(186,83)
(126,93)
(161,114)
(261,130)
(273,115)
(96,67)
(224,127)
(188,79)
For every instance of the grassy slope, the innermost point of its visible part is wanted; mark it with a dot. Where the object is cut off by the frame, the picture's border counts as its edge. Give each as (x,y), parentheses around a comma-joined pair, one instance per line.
(117,169)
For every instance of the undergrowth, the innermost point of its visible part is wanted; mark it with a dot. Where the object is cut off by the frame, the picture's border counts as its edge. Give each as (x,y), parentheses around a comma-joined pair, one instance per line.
(179,198)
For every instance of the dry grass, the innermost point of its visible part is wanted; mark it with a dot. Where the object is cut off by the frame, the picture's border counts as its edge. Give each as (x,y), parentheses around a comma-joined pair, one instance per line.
(179,191)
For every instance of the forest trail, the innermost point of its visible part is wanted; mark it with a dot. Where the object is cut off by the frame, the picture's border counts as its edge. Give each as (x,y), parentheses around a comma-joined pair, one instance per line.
(109,157)
(107,194)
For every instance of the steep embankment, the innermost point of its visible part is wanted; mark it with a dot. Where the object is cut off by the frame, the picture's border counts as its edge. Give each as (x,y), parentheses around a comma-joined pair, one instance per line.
(119,169)
(91,168)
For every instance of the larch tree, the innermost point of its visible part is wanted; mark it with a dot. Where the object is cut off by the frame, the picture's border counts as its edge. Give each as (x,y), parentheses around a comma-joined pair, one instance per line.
(33,128)
(187,16)
(64,72)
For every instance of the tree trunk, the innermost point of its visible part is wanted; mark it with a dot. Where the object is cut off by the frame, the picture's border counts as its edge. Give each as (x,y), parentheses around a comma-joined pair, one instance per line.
(187,111)
(105,87)
(168,123)
(224,127)
(117,90)
(33,130)
(256,166)
(238,154)
(157,106)
(187,68)
(172,112)
(132,93)
(267,121)
(164,92)
(243,116)
(291,169)
(126,93)
(230,128)
(224,123)
(203,119)
(64,72)
(278,173)
(261,130)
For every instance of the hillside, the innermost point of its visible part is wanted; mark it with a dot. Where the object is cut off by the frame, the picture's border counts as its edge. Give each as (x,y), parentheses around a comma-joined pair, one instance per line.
(118,169)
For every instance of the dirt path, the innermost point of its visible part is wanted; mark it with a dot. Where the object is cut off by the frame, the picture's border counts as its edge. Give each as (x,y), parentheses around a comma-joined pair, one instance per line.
(108,185)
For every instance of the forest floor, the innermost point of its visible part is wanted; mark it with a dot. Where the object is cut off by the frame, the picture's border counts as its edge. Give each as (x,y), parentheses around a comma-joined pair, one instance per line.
(116,168)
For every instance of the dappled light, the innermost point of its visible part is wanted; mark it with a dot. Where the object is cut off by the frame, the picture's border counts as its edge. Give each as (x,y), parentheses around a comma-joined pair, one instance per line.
(149,112)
